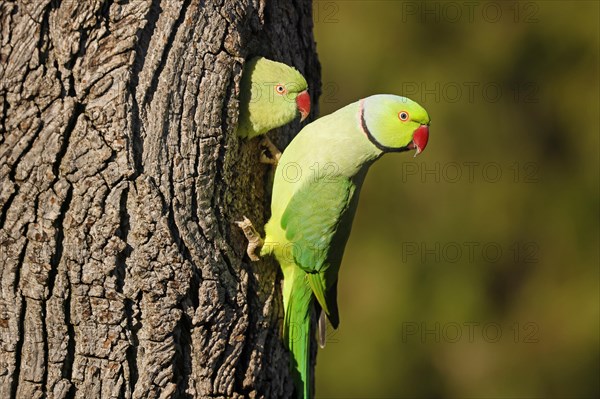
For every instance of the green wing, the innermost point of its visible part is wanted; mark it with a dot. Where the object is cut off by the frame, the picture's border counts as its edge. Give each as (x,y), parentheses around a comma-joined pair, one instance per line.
(317,223)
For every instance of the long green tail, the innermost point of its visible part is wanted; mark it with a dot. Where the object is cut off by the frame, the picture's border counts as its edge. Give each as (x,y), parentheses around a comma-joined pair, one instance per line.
(297,330)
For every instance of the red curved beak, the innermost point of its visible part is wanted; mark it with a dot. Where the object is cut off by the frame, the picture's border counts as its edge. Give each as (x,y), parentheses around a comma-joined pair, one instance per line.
(420,139)
(303,103)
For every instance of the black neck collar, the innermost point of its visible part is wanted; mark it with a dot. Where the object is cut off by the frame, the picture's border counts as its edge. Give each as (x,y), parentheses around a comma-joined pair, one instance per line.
(372,139)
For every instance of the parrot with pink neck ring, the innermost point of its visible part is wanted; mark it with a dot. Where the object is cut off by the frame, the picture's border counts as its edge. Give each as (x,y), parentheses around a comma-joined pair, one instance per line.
(315,193)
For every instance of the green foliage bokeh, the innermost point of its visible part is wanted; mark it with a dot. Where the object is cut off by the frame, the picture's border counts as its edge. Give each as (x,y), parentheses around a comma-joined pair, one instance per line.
(472,270)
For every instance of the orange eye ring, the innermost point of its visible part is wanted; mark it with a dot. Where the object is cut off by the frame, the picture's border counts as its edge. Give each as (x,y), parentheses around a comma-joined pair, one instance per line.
(280,89)
(403,116)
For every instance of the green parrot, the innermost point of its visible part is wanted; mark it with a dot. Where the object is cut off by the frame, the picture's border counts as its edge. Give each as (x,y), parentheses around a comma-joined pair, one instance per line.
(315,193)
(272,94)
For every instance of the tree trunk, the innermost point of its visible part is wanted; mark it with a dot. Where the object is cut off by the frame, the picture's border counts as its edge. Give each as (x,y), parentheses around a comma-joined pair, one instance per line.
(122,271)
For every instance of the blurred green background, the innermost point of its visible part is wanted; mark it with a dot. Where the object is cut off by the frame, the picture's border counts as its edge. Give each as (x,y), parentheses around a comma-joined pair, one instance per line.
(472,270)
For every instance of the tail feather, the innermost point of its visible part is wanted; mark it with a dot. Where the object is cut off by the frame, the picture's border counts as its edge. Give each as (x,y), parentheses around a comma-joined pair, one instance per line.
(297,333)
(322,329)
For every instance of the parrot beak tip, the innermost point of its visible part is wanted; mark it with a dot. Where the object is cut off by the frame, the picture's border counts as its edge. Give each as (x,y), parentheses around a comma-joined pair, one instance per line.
(420,139)
(303,104)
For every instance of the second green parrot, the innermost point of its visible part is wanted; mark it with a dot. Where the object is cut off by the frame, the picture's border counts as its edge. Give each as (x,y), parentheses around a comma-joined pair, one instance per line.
(272,94)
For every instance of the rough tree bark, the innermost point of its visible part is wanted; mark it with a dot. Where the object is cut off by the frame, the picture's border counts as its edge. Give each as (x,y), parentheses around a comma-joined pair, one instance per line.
(122,273)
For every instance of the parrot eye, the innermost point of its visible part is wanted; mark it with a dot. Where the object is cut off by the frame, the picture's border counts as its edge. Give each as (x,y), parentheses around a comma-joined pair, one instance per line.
(280,89)
(403,115)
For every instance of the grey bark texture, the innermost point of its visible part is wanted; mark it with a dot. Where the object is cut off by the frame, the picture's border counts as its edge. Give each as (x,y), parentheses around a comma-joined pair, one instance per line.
(122,273)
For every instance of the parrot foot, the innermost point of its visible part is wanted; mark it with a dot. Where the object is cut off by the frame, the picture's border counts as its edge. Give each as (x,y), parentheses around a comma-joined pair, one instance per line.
(274,152)
(254,240)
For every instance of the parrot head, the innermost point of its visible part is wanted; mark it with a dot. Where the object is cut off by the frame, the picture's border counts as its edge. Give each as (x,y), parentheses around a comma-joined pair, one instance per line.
(278,94)
(395,123)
